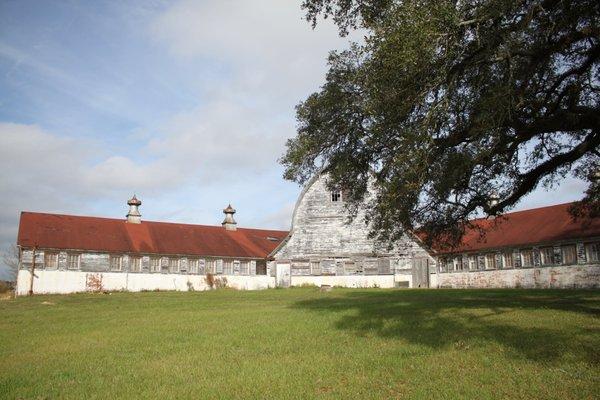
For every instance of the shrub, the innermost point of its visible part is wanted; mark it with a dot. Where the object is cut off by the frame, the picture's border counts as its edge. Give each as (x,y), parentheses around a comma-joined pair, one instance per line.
(210,280)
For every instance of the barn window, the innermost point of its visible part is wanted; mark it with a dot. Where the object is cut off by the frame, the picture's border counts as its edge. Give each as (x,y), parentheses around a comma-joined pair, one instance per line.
(569,254)
(336,195)
(211,266)
(527,258)
(116,263)
(508,260)
(173,265)
(547,255)
(490,261)
(154,264)
(227,267)
(592,252)
(193,265)
(472,263)
(73,260)
(50,260)
(136,264)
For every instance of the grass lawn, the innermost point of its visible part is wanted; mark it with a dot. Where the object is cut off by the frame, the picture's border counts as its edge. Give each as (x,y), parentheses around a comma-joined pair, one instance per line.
(302,343)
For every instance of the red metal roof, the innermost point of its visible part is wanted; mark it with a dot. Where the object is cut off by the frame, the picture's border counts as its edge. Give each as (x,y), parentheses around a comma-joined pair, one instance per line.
(528,227)
(115,235)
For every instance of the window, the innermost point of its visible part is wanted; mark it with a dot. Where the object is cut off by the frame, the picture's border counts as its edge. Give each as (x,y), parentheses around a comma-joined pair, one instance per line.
(211,266)
(73,260)
(592,252)
(116,263)
(227,267)
(527,258)
(193,265)
(244,268)
(569,254)
(136,264)
(50,260)
(154,264)
(547,255)
(472,263)
(507,259)
(336,195)
(315,268)
(490,261)
(458,263)
(173,265)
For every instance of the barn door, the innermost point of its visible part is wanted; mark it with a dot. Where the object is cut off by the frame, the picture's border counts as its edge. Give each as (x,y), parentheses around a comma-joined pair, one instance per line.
(420,273)
(283,275)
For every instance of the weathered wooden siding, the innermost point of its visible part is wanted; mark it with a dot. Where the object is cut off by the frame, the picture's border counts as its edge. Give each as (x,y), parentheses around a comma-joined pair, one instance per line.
(321,229)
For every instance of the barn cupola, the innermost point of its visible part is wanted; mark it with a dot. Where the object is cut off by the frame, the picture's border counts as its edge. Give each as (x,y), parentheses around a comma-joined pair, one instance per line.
(229,223)
(134,216)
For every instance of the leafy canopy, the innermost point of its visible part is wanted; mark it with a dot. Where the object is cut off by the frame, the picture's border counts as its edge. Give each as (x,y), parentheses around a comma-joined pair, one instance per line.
(456,108)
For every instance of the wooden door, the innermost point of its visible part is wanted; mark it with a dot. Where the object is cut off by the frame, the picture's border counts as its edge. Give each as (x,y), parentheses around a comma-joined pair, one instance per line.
(420,273)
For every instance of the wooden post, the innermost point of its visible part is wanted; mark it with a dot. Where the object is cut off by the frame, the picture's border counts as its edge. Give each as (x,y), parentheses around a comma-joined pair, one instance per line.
(32,272)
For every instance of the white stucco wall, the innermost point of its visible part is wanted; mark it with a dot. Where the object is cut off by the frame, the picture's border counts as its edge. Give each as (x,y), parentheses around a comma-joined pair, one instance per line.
(351,281)
(53,281)
(571,276)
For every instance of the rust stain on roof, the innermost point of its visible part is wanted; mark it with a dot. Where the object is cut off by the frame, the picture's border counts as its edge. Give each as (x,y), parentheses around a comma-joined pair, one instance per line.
(57,231)
(520,228)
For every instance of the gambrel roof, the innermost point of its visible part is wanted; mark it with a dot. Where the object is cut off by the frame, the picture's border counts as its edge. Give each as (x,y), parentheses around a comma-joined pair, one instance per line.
(55,231)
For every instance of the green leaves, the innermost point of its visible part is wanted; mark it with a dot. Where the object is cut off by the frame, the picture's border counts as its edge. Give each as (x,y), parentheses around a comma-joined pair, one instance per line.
(447,102)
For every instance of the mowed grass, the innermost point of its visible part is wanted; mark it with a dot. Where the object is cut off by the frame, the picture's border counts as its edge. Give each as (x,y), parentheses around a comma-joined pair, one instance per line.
(303,343)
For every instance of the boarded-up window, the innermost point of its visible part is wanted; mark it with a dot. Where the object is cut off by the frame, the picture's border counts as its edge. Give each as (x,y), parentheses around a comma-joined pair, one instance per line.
(371,267)
(569,254)
(136,264)
(592,252)
(507,260)
(154,264)
(50,260)
(527,258)
(327,267)
(490,261)
(383,266)
(300,267)
(315,268)
(350,268)
(228,267)
(547,255)
(73,260)
(173,265)
(193,265)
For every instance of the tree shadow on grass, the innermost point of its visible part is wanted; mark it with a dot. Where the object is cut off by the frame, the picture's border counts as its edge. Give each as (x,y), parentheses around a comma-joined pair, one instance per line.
(461,318)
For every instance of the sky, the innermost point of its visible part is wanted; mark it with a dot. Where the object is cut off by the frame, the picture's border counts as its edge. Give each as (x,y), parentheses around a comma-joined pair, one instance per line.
(187,104)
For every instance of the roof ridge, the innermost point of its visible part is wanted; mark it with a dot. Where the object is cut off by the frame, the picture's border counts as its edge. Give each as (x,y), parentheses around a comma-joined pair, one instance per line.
(522,211)
(150,221)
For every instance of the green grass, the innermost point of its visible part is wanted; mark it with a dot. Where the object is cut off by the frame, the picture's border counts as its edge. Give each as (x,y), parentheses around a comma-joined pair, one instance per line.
(302,343)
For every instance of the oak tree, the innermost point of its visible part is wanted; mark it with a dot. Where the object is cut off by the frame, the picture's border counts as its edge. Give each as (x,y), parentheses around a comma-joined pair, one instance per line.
(454,109)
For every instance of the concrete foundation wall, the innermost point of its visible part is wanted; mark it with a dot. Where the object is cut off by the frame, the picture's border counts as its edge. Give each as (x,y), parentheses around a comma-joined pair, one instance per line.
(572,276)
(53,281)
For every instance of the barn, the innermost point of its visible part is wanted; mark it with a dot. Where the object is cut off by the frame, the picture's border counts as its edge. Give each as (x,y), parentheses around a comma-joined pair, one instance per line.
(538,248)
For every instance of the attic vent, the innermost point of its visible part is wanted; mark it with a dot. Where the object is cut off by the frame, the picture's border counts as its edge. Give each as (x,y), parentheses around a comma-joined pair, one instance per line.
(272,239)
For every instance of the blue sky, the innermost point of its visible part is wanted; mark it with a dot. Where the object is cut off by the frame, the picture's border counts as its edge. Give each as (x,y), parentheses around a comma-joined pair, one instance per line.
(186,103)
